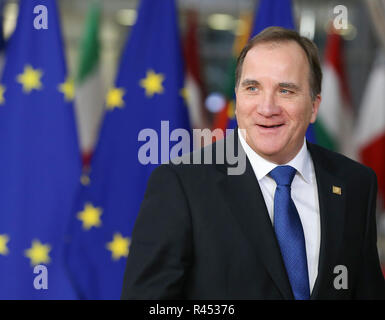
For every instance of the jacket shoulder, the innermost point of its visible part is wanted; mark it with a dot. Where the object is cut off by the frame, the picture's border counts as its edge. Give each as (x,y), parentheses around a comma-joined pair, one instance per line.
(339,163)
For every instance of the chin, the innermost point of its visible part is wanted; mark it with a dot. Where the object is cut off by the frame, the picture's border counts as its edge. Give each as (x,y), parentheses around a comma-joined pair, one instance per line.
(268,150)
(270,153)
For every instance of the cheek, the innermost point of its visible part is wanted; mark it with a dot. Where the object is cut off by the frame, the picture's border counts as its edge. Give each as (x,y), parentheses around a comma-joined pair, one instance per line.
(301,114)
(244,109)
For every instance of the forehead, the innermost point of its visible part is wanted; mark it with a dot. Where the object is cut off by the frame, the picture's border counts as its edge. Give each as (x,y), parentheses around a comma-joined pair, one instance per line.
(276,58)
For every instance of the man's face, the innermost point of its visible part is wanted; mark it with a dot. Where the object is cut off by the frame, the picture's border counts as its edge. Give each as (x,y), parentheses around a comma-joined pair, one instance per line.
(273,102)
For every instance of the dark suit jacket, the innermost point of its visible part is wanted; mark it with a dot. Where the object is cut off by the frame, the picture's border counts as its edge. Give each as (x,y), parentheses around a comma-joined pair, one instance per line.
(204,234)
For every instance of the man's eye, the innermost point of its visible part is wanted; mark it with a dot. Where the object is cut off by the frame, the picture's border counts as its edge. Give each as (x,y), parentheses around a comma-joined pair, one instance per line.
(252,89)
(285,91)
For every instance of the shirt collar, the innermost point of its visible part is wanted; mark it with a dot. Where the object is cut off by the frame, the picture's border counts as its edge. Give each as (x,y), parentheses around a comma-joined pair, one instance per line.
(301,162)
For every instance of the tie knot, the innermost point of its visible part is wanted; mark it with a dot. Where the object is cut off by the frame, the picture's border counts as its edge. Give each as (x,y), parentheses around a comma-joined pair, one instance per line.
(283,175)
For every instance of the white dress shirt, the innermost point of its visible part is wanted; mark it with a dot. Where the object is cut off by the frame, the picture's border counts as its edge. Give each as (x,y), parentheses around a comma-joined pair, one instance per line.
(303,192)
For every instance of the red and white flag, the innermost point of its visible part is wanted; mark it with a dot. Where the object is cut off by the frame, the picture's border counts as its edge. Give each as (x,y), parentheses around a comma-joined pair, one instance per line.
(194,92)
(193,83)
(334,126)
(370,131)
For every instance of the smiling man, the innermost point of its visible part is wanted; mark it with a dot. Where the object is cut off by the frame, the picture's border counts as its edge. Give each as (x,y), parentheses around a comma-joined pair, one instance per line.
(299,223)
(275,101)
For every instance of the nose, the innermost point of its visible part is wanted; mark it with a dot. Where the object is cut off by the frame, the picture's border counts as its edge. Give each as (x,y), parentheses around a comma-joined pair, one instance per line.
(267,105)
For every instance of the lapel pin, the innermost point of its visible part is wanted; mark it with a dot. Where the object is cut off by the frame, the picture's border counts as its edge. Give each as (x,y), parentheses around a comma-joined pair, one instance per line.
(337,190)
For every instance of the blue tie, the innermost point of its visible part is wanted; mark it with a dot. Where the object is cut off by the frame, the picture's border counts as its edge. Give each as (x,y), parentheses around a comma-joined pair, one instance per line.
(288,229)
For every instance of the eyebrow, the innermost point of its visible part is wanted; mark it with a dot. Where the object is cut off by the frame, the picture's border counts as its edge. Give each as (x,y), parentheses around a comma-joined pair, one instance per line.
(249,82)
(289,85)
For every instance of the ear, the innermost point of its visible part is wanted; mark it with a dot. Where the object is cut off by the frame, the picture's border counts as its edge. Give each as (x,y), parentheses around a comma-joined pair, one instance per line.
(315,106)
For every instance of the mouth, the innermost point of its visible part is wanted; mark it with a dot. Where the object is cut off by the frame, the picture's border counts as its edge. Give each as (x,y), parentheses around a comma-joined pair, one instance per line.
(273,129)
(270,126)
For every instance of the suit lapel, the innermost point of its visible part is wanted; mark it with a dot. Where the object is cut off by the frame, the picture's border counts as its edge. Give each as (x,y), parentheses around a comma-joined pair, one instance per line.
(245,200)
(332,197)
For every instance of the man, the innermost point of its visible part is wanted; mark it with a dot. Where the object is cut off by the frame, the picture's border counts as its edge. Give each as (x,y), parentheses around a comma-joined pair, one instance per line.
(299,223)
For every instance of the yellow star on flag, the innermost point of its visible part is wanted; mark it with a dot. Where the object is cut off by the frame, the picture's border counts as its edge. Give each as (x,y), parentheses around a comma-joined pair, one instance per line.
(118,246)
(68,89)
(3,244)
(152,83)
(185,95)
(90,216)
(2,91)
(85,179)
(30,79)
(114,98)
(38,253)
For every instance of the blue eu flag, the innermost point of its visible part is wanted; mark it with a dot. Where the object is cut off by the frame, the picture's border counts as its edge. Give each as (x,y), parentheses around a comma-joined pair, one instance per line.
(146,103)
(39,158)
(273,13)
(277,13)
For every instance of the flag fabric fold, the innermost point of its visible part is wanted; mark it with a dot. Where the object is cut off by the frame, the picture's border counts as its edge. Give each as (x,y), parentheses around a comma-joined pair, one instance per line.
(194,82)
(39,158)
(370,129)
(194,86)
(148,89)
(334,125)
(89,97)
